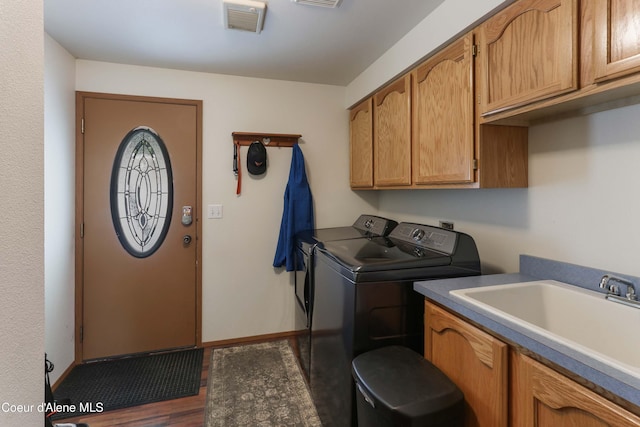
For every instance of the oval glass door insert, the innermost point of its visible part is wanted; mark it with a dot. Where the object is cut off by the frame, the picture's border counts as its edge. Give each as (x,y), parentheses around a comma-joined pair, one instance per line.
(141,192)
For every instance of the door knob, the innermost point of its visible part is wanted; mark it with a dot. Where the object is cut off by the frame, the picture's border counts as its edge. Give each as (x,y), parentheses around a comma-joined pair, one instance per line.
(186,239)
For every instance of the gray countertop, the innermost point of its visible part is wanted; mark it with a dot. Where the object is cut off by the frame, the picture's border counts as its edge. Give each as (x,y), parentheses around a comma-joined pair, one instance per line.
(617,383)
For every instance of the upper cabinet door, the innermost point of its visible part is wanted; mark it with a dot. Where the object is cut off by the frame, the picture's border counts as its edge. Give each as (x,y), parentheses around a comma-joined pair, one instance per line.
(443,116)
(616,38)
(361,139)
(392,134)
(528,52)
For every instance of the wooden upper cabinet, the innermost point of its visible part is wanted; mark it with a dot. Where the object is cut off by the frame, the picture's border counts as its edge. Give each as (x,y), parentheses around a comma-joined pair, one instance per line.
(528,52)
(361,143)
(544,398)
(442,108)
(474,360)
(616,44)
(392,134)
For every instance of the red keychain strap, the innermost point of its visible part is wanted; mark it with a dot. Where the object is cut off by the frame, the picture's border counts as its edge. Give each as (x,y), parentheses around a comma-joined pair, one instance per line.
(238,165)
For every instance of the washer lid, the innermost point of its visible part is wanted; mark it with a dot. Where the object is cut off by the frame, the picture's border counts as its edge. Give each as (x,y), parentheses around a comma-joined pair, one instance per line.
(309,238)
(364,226)
(338,233)
(382,253)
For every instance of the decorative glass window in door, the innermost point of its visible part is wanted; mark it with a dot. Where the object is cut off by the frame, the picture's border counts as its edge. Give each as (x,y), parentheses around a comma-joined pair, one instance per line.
(141,192)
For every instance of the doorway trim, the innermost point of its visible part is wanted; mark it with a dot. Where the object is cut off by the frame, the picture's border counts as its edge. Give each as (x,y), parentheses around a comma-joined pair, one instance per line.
(79,208)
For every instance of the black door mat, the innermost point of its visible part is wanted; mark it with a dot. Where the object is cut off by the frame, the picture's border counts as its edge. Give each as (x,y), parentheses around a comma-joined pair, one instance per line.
(122,383)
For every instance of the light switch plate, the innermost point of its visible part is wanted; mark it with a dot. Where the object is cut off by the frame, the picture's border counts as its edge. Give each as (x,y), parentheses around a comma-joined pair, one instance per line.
(214,211)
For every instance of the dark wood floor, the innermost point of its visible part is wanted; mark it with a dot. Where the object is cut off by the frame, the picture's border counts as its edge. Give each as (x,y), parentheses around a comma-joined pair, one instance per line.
(185,412)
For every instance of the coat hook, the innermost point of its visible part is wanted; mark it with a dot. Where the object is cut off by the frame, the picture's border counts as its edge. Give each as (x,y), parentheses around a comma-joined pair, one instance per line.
(266,141)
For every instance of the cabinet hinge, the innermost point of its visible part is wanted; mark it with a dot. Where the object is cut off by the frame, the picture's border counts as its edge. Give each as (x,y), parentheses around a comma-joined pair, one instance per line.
(82,125)
(82,230)
(475,164)
(474,50)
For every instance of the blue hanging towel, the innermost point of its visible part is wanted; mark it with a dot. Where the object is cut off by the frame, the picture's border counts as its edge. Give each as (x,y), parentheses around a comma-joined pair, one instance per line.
(298,212)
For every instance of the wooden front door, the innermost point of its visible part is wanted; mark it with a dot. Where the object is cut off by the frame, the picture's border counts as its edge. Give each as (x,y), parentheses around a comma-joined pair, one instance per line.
(138,175)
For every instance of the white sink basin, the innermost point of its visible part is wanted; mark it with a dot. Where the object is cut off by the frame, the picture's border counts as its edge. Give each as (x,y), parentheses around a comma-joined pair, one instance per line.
(578,318)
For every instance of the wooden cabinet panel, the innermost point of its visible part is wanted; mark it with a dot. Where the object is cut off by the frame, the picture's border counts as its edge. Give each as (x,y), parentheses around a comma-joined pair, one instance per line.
(442,109)
(474,360)
(542,397)
(616,38)
(392,134)
(502,156)
(528,52)
(361,141)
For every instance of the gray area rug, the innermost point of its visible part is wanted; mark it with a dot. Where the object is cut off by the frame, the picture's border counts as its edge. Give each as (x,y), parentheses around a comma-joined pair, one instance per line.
(258,385)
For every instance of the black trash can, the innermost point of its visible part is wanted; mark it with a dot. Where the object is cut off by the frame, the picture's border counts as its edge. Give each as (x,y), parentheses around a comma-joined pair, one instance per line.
(396,386)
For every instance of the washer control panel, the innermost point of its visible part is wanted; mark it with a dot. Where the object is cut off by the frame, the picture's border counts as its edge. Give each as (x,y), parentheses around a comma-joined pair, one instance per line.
(426,236)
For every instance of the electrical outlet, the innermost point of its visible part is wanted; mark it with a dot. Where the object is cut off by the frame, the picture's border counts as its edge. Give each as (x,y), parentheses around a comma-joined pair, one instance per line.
(447,225)
(214,211)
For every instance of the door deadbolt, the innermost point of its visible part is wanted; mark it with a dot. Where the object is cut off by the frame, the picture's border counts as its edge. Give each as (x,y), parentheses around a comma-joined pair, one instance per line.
(186,239)
(187,217)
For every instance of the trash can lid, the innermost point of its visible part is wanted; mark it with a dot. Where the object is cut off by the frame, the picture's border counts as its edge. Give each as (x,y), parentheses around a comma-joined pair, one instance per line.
(404,382)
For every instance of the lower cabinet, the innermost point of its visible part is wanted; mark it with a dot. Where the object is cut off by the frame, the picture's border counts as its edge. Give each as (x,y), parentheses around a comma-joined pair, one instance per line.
(474,360)
(541,397)
(503,387)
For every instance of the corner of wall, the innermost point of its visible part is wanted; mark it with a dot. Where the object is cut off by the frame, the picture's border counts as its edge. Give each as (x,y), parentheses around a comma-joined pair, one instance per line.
(59,203)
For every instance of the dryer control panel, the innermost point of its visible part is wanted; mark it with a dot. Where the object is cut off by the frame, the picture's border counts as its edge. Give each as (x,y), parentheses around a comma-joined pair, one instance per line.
(374,225)
(426,237)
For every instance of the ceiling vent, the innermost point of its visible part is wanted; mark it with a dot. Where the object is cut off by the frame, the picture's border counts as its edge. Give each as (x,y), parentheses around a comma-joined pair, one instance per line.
(246,15)
(322,3)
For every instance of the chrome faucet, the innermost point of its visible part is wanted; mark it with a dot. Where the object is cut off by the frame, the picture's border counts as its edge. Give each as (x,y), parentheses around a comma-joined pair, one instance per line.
(613,290)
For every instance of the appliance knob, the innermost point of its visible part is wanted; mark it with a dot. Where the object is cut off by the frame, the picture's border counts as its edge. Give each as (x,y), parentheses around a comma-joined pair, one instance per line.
(417,234)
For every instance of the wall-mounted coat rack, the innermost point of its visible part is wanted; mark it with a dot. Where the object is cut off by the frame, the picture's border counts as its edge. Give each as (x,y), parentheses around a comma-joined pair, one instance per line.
(268,139)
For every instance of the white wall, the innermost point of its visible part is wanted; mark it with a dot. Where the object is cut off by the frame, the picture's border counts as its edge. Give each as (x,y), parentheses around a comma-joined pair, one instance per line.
(243,295)
(584,205)
(21,195)
(59,204)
